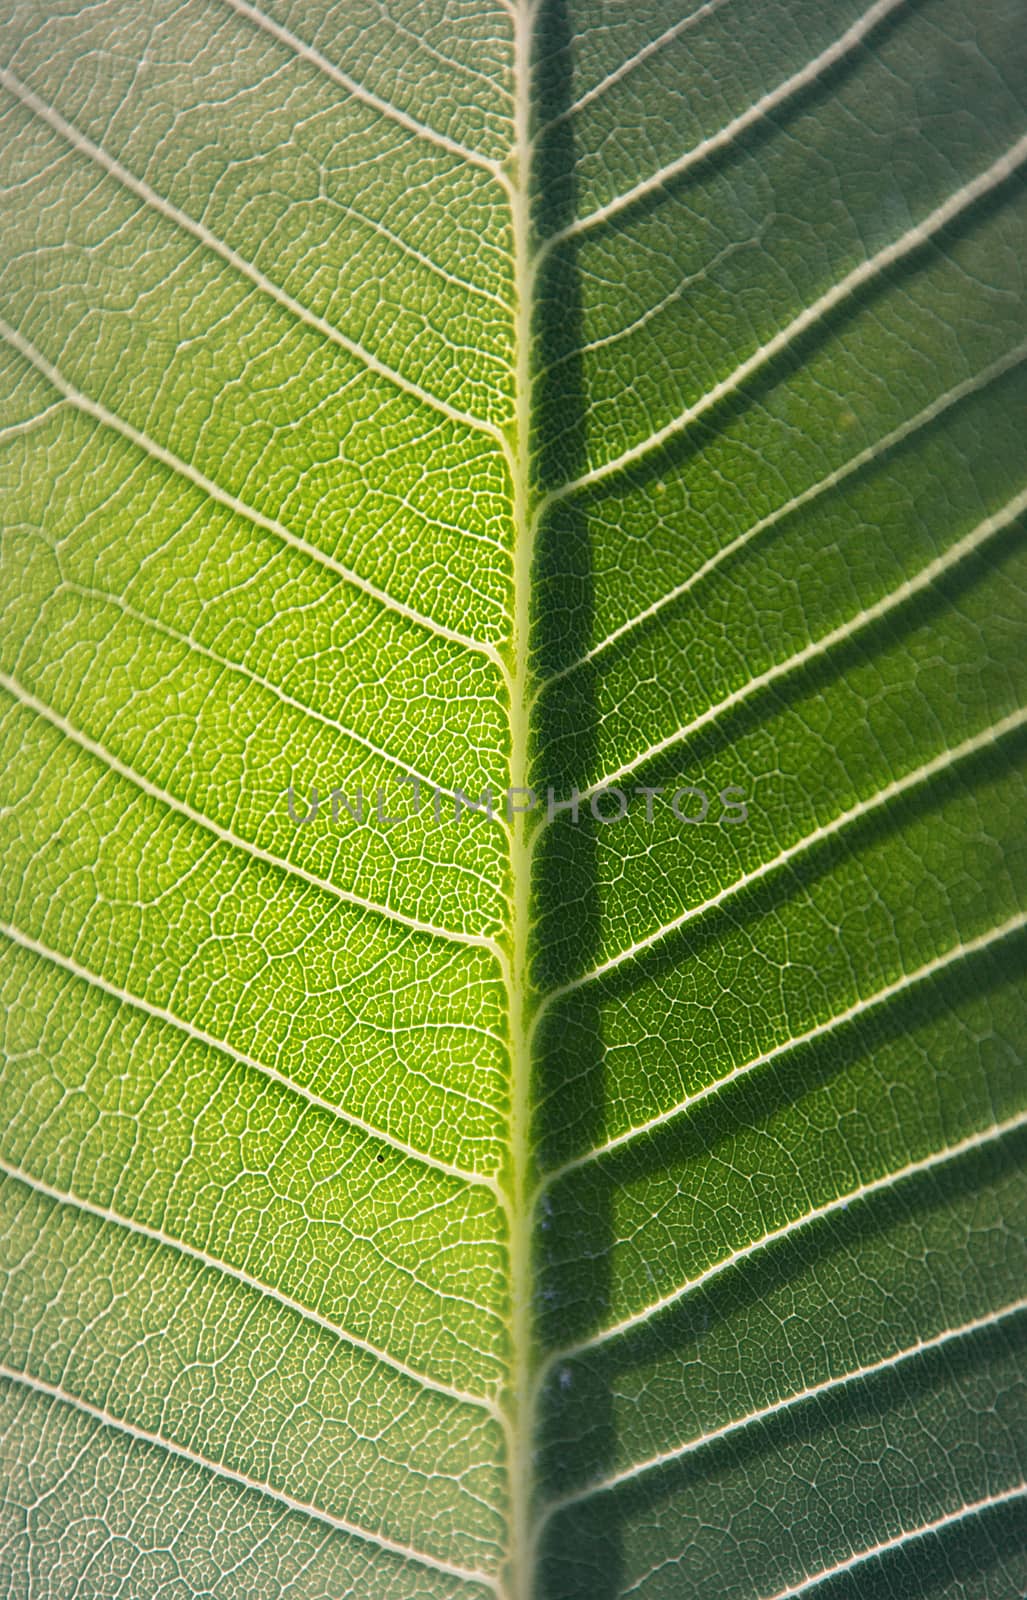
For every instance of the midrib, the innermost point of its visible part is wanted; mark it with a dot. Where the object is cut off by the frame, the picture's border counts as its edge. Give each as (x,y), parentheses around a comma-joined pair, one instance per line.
(518,1577)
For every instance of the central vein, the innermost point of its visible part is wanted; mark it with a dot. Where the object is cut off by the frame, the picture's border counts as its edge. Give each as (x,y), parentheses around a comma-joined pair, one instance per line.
(519,1577)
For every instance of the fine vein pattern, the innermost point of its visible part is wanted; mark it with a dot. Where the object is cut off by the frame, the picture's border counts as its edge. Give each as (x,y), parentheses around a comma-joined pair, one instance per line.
(513,714)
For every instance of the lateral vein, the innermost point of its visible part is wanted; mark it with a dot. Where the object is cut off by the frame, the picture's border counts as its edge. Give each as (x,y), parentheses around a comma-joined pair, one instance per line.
(873,1369)
(157,1236)
(143,191)
(917,236)
(892,791)
(161,1014)
(854,464)
(835,52)
(968,545)
(951,1519)
(109,419)
(647,51)
(909,980)
(342,80)
(225,836)
(107,1419)
(262,682)
(976,1141)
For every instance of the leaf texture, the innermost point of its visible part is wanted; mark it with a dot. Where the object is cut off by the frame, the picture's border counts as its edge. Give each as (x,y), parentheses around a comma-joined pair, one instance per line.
(410,401)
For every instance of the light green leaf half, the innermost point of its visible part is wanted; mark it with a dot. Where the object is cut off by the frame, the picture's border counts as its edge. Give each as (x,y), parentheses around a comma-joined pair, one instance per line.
(419,397)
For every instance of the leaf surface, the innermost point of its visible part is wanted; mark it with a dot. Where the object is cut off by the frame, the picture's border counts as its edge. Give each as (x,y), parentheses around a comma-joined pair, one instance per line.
(407,402)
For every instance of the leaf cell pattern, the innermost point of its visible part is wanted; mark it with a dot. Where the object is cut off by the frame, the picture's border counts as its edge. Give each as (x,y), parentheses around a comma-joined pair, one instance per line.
(407,1198)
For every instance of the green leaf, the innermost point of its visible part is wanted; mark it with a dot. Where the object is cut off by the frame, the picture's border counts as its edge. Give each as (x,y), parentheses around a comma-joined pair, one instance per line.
(415,401)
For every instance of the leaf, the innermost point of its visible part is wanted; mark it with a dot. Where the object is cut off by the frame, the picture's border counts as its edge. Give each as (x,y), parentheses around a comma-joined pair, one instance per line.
(407,403)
